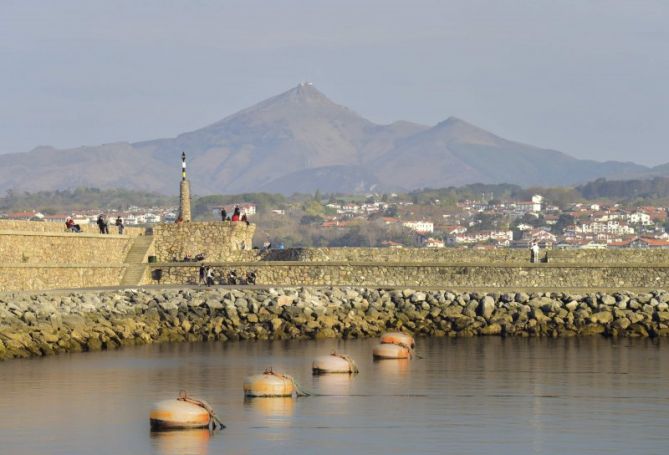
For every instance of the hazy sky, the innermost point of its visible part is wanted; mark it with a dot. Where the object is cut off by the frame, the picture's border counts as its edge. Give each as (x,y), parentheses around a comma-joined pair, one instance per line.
(587,77)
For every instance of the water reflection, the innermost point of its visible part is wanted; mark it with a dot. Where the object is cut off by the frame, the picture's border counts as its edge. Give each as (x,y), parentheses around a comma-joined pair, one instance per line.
(272,416)
(181,442)
(392,367)
(334,383)
(276,409)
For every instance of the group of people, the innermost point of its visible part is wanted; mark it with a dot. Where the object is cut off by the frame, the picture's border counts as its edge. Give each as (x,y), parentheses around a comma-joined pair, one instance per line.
(236,216)
(70,225)
(206,275)
(534,253)
(103,224)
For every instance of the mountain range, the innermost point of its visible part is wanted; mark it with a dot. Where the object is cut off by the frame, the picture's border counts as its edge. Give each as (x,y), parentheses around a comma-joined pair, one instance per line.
(301,141)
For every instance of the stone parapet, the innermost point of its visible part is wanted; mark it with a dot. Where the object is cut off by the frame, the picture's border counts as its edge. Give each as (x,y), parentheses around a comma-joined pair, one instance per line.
(46,226)
(218,241)
(466,255)
(550,276)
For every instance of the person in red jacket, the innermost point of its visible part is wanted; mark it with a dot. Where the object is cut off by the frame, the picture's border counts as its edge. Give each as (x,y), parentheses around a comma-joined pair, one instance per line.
(236,215)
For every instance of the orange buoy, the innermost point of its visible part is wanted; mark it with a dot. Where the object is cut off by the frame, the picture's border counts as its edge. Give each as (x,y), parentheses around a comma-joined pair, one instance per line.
(269,384)
(183,412)
(334,363)
(391,351)
(398,338)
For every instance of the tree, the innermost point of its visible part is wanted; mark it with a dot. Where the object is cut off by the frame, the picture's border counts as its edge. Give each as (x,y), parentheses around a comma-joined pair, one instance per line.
(313,208)
(563,221)
(391,211)
(311,219)
(487,221)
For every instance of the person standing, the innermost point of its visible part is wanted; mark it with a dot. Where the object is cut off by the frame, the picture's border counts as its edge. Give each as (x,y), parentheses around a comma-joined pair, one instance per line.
(119,224)
(224,214)
(535,252)
(531,252)
(236,215)
(210,276)
(101,223)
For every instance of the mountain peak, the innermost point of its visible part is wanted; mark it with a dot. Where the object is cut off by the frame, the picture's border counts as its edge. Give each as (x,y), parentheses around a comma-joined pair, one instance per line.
(304,92)
(457,127)
(452,122)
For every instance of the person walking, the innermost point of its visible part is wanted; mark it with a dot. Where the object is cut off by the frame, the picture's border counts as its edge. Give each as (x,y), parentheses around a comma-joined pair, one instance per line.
(203,274)
(210,276)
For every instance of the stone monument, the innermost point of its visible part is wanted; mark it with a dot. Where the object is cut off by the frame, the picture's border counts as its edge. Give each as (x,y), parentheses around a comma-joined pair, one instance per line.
(218,241)
(184,193)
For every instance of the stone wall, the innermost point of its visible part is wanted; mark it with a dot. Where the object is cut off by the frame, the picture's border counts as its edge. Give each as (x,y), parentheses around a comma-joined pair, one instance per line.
(62,248)
(550,276)
(45,226)
(469,256)
(46,324)
(219,241)
(31,277)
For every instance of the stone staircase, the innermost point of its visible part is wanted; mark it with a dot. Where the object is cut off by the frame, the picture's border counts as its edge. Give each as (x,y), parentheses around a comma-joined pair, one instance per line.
(135,261)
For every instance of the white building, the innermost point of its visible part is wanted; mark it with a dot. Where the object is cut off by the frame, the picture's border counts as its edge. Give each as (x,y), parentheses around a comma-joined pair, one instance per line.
(533,205)
(609,227)
(152,218)
(639,218)
(419,226)
(501,237)
(433,243)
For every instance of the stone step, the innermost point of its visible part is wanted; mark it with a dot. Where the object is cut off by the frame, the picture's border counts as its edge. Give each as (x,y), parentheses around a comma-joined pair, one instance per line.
(133,275)
(134,260)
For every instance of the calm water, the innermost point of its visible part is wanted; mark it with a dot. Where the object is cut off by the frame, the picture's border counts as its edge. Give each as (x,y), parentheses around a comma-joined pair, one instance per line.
(484,395)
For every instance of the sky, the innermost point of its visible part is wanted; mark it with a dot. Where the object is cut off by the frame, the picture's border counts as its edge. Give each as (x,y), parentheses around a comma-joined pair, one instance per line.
(586,77)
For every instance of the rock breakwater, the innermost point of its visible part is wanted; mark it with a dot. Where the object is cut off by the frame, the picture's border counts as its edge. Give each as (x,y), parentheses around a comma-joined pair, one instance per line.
(45,324)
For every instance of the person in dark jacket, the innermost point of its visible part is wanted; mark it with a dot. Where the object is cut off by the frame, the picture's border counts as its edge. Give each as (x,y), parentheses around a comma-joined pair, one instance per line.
(203,273)
(119,225)
(224,214)
(102,224)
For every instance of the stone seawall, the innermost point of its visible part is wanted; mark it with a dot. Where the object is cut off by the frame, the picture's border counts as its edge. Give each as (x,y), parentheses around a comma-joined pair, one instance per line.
(45,324)
(514,276)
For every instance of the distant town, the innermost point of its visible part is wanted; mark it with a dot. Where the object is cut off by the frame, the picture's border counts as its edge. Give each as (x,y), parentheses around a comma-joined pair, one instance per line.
(475,216)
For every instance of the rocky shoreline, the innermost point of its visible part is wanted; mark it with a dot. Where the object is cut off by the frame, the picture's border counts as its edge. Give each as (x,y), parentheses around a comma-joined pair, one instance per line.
(50,323)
